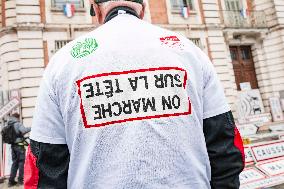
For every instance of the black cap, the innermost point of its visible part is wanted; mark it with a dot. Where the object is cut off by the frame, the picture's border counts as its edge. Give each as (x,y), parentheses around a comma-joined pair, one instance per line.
(136,1)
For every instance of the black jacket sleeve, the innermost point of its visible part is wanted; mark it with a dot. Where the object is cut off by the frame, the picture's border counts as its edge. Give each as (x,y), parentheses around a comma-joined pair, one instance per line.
(52,162)
(225,150)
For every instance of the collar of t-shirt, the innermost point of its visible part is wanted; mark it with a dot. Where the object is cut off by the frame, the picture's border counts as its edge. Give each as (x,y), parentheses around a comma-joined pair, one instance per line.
(120,10)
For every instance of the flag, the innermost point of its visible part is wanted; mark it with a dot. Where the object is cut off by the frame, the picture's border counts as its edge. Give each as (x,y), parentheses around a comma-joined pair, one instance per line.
(244,13)
(69,10)
(188,10)
(248,12)
(184,12)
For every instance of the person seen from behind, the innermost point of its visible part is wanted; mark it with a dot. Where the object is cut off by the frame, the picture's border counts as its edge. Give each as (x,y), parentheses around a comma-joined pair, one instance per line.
(132,105)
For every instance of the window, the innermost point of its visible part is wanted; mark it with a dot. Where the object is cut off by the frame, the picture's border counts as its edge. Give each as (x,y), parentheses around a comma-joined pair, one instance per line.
(233,53)
(245,53)
(60,44)
(233,5)
(60,3)
(197,42)
(178,4)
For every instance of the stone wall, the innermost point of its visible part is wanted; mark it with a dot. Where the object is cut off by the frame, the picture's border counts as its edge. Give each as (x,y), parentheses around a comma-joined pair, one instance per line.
(270,60)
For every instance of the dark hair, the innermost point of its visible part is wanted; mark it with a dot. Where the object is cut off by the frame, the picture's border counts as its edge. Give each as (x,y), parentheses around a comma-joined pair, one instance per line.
(16,115)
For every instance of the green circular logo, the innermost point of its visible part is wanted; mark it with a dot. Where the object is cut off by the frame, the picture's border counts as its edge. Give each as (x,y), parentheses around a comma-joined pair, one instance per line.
(84,48)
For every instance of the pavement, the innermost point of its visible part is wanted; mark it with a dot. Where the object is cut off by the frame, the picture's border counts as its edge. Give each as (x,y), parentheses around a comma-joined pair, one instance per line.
(5,186)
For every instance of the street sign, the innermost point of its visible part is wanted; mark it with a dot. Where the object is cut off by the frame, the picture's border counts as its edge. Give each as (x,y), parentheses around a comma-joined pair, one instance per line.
(268,150)
(248,156)
(263,183)
(7,161)
(277,127)
(15,94)
(250,175)
(9,107)
(273,167)
(247,129)
(276,109)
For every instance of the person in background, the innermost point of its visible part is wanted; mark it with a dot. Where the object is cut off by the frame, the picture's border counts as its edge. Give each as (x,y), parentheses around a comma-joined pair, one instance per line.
(18,150)
(135,106)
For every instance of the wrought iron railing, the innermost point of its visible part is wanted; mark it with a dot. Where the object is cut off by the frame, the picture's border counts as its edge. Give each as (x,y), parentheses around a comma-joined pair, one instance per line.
(248,19)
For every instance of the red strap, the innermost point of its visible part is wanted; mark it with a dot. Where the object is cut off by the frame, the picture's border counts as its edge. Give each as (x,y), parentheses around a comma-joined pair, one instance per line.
(31,171)
(239,143)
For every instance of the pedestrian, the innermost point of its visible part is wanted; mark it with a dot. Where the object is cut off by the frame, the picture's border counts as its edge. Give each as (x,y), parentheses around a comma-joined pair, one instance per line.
(132,105)
(18,150)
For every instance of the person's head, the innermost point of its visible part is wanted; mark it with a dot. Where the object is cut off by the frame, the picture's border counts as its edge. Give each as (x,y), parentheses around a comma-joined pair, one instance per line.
(16,115)
(102,9)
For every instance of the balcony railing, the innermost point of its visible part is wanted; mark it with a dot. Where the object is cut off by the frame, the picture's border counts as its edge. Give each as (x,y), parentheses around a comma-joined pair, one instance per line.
(251,19)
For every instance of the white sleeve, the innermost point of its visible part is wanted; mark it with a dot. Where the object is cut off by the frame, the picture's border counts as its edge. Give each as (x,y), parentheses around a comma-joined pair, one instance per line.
(48,125)
(214,100)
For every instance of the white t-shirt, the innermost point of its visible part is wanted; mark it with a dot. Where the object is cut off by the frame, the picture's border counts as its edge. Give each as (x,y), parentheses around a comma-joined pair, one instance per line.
(129,100)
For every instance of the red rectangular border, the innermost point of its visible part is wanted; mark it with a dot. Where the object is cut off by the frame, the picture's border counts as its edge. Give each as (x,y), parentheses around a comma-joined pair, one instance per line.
(265,144)
(137,118)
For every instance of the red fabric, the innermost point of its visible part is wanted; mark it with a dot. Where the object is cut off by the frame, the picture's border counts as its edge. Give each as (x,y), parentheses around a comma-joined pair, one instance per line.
(239,143)
(31,171)
(73,9)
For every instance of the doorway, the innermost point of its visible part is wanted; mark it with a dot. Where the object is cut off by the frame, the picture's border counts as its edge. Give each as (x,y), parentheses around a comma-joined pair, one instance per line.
(243,66)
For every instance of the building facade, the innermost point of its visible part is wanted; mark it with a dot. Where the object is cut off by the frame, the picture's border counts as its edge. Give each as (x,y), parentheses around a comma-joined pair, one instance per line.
(243,38)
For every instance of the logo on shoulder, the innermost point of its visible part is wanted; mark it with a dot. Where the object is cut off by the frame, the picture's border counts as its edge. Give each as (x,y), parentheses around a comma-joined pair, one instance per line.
(84,48)
(172,42)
